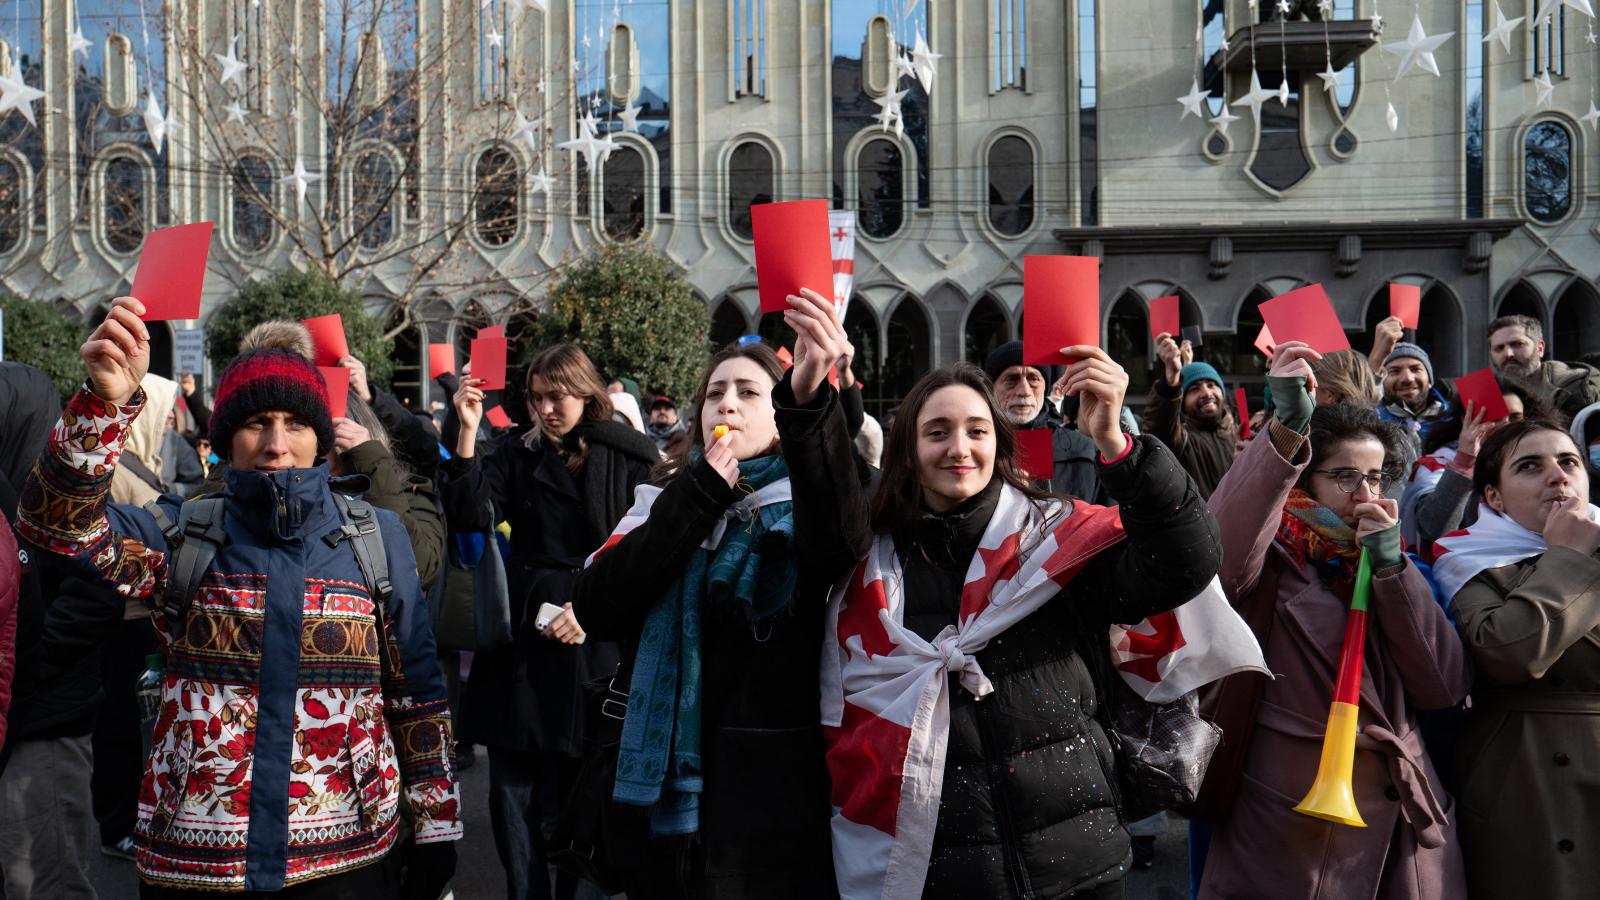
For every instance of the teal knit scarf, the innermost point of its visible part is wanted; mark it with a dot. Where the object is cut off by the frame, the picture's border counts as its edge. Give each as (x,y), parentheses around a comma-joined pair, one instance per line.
(658,763)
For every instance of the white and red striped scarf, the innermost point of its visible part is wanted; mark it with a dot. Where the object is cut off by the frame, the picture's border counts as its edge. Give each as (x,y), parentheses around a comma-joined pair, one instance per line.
(1492,541)
(1424,478)
(885,696)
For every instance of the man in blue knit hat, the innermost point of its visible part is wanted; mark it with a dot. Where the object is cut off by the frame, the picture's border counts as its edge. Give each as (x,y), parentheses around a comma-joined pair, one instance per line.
(1187,412)
(1409,396)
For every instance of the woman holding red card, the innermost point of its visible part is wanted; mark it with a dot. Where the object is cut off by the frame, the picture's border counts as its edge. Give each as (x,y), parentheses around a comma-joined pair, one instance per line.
(1298,510)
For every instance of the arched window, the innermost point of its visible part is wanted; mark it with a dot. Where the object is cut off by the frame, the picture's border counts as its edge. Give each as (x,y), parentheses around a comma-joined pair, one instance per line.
(727,324)
(123,196)
(252,192)
(1577,322)
(987,329)
(497,177)
(1128,338)
(407,381)
(373,184)
(912,341)
(1547,172)
(1011,185)
(10,206)
(1438,327)
(861,327)
(750,181)
(623,194)
(1522,299)
(880,188)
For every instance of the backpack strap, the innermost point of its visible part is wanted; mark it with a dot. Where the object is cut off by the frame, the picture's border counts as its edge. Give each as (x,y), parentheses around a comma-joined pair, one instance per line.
(192,544)
(360,527)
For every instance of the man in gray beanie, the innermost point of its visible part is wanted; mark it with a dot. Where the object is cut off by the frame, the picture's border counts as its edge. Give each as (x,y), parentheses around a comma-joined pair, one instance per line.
(1409,396)
(1020,392)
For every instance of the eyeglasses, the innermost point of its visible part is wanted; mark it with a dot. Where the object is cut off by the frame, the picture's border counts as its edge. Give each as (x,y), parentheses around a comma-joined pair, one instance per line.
(1349,480)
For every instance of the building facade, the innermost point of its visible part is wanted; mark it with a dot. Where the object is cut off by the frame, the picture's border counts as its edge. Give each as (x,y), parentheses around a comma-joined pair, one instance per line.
(431,133)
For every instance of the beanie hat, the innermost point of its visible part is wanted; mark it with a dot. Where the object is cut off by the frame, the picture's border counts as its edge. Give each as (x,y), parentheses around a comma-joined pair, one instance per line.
(270,380)
(1196,371)
(1406,349)
(1009,354)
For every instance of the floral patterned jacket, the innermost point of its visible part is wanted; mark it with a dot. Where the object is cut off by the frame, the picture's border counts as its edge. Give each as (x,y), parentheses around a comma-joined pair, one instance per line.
(295,714)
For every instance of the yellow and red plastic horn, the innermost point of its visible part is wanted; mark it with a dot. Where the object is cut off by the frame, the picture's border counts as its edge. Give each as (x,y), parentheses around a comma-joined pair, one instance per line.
(1332,795)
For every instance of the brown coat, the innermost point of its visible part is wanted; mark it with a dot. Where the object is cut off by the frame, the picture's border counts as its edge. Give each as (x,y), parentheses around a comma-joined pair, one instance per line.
(1413,661)
(1527,758)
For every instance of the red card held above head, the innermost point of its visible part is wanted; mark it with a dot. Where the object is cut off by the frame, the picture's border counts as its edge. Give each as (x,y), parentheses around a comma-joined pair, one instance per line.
(1241,402)
(1036,453)
(338,379)
(327,336)
(792,251)
(441,359)
(1264,341)
(1061,307)
(1305,314)
(492,331)
(498,418)
(172,272)
(489,362)
(1164,317)
(1405,303)
(1482,390)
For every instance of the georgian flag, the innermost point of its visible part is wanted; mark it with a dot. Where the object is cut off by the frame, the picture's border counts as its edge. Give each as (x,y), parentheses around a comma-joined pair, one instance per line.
(842,238)
(885,694)
(1492,541)
(1424,478)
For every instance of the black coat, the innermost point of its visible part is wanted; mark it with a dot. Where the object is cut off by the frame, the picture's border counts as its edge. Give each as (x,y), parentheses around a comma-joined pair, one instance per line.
(528,696)
(1029,808)
(764,830)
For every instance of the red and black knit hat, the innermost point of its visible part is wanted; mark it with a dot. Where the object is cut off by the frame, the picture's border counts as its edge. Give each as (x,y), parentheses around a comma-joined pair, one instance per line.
(270,380)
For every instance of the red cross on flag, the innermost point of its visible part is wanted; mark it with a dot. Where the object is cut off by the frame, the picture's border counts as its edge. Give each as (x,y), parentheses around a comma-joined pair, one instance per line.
(842,238)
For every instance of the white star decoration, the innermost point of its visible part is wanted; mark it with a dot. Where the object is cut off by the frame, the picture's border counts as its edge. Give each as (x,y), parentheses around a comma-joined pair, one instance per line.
(235,112)
(299,178)
(1391,116)
(1325,7)
(1592,116)
(1547,8)
(79,44)
(1544,88)
(889,108)
(903,67)
(1223,119)
(495,38)
(1330,78)
(17,94)
(1503,27)
(926,62)
(156,124)
(232,68)
(1192,100)
(1418,49)
(630,116)
(541,182)
(588,126)
(1257,96)
(1283,6)
(1283,92)
(528,128)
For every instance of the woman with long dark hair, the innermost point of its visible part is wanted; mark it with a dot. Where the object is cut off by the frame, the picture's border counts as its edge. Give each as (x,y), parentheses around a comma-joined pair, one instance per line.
(562,485)
(968,757)
(716,583)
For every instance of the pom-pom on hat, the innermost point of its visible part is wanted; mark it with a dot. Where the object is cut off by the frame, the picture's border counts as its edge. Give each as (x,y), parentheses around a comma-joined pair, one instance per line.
(270,380)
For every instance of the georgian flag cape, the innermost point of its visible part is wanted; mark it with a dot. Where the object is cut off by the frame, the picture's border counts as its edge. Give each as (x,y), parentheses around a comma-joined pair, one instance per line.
(1424,478)
(644,497)
(885,694)
(1492,541)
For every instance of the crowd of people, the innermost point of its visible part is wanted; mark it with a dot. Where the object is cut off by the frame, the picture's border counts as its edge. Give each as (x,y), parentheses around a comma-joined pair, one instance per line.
(757,644)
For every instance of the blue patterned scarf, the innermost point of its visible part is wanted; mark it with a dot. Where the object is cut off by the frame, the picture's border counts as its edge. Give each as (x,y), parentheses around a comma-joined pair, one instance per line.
(658,764)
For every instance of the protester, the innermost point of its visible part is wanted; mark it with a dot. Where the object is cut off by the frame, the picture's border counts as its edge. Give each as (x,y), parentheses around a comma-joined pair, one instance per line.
(1024,806)
(625,409)
(1586,433)
(1386,335)
(1020,392)
(664,423)
(1344,376)
(1523,581)
(1516,348)
(1410,398)
(869,441)
(319,757)
(194,399)
(1297,511)
(1186,412)
(562,486)
(10,586)
(718,578)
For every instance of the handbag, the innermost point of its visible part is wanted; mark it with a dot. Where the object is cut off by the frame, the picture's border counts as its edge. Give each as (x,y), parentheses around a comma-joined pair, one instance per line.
(592,838)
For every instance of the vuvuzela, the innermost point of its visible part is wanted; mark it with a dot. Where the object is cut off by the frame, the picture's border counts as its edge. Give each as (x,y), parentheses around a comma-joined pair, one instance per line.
(1332,796)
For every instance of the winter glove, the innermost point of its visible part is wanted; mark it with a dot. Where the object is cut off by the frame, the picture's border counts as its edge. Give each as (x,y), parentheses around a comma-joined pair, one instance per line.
(1291,401)
(1383,547)
(429,869)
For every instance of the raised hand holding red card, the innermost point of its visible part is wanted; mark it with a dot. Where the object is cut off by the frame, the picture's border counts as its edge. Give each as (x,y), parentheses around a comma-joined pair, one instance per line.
(792,251)
(327,337)
(338,379)
(1306,314)
(489,362)
(1482,390)
(1405,303)
(1164,317)
(1061,307)
(172,272)
(441,360)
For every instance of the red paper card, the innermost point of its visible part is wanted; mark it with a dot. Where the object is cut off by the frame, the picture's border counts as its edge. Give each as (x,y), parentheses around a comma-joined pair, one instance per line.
(489,362)
(327,336)
(498,418)
(338,379)
(1264,342)
(1164,317)
(785,357)
(1306,314)
(792,251)
(1036,454)
(1483,391)
(1243,404)
(1061,306)
(172,272)
(1405,303)
(492,331)
(441,359)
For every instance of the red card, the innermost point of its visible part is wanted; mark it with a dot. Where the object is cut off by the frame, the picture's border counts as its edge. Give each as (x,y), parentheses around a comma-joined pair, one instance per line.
(338,379)
(498,418)
(1264,342)
(1164,317)
(1483,390)
(1036,454)
(1243,404)
(489,362)
(785,357)
(1306,314)
(792,251)
(327,336)
(1061,306)
(441,359)
(172,272)
(1405,303)
(494,331)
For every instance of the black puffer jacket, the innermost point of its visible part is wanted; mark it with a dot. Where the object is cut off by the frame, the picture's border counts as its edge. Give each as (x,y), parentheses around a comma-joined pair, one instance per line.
(1028,809)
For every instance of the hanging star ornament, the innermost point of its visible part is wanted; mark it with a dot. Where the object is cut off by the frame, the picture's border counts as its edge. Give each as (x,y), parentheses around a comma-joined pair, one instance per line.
(1392,116)
(541,183)
(235,112)
(629,117)
(1192,100)
(1503,28)
(926,63)
(1223,119)
(1330,78)
(528,128)
(1591,37)
(154,122)
(587,125)
(1592,116)
(1547,8)
(17,94)
(1283,92)
(1418,49)
(889,108)
(1544,88)
(1257,96)
(1325,7)
(299,178)
(495,38)
(78,44)
(232,68)
(902,67)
